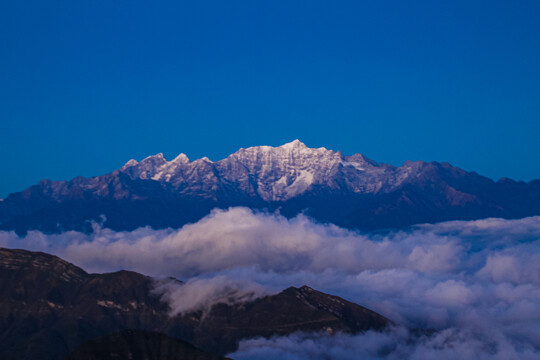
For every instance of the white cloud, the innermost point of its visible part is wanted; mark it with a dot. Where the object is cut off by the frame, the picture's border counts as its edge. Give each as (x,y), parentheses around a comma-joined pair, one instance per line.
(398,344)
(470,278)
(200,294)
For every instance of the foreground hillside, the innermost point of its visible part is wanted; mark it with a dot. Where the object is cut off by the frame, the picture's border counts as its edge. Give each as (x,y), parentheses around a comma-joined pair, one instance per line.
(138,345)
(49,307)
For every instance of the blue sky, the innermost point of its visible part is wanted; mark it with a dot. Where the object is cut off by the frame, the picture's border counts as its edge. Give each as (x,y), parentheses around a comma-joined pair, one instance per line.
(87,85)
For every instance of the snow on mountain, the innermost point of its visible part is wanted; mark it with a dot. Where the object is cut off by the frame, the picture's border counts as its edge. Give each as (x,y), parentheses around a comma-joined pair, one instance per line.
(350,191)
(272,173)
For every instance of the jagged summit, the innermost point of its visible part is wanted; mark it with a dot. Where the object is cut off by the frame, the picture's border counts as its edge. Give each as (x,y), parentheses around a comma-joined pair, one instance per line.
(271,173)
(131,162)
(295,144)
(181,158)
(287,146)
(351,191)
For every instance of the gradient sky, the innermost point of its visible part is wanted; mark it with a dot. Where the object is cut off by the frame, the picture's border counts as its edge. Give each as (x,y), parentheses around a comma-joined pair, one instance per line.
(87,85)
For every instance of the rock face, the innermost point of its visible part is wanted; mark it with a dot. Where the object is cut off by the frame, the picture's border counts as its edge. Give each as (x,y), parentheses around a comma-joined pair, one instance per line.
(49,307)
(350,191)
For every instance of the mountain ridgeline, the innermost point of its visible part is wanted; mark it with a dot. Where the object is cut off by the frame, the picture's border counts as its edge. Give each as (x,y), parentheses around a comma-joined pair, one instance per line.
(50,308)
(350,191)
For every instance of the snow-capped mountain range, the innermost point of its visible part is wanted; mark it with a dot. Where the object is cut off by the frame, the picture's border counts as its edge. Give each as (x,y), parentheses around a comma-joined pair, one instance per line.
(270,173)
(351,191)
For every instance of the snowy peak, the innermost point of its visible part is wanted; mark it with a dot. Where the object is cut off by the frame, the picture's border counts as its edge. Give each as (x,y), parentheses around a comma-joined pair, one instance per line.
(270,173)
(154,159)
(351,191)
(280,173)
(146,168)
(180,159)
(130,163)
(295,144)
(294,153)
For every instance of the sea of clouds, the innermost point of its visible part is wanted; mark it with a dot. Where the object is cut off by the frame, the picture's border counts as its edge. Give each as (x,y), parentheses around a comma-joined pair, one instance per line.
(476,282)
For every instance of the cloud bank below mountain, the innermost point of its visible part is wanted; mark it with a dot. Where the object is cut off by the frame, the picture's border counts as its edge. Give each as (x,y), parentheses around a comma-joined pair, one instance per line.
(478,282)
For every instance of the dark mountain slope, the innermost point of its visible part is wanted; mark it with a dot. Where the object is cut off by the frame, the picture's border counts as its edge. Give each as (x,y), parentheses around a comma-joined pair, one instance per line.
(48,307)
(138,345)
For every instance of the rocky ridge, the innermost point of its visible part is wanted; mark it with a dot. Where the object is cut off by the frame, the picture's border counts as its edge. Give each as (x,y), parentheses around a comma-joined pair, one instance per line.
(49,307)
(350,191)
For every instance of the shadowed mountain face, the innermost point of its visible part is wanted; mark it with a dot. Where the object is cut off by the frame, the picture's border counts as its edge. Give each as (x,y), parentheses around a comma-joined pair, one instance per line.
(49,307)
(350,191)
(138,345)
